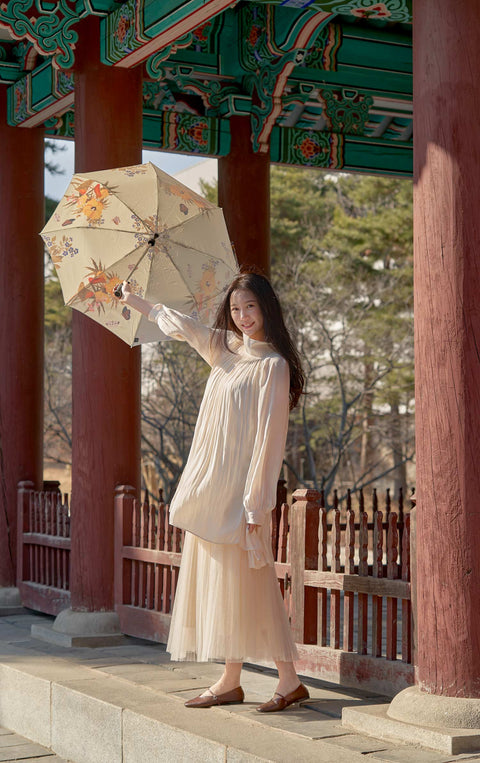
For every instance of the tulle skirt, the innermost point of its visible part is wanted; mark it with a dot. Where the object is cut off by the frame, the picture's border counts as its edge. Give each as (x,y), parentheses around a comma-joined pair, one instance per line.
(225,610)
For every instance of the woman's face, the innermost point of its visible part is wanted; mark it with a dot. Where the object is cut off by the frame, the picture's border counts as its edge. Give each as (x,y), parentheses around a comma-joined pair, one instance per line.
(246,314)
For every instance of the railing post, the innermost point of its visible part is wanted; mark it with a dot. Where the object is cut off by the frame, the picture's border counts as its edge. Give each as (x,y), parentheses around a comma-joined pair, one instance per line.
(413,581)
(304,519)
(124,500)
(24,491)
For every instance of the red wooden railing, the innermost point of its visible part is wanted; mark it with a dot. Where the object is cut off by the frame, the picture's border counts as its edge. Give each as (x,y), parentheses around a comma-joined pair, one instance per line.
(43,559)
(342,582)
(344,577)
(147,561)
(348,580)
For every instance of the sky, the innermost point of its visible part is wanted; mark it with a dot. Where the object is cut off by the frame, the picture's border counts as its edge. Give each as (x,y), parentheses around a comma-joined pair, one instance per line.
(56,185)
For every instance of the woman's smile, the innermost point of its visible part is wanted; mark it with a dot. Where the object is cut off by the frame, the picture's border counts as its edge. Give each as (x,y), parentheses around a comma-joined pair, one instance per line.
(247,314)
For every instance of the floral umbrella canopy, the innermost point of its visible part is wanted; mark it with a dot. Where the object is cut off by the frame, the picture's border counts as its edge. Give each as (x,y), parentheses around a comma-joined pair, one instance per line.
(138,224)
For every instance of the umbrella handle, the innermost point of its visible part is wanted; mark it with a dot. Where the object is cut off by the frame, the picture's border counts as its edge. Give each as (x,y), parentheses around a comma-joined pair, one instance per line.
(118,291)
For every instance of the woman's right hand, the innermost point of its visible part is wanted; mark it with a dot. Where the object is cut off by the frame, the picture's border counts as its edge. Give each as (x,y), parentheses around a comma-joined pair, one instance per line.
(126,290)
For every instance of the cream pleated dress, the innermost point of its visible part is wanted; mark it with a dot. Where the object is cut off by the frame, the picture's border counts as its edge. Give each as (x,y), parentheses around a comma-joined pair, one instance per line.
(228,604)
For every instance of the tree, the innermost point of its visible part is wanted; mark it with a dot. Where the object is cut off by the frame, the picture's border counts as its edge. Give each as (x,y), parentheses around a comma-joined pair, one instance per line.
(58,349)
(53,147)
(342,265)
(351,292)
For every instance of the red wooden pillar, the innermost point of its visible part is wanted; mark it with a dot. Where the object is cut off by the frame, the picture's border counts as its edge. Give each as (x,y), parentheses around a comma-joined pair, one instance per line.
(106,372)
(447,313)
(244,195)
(21,326)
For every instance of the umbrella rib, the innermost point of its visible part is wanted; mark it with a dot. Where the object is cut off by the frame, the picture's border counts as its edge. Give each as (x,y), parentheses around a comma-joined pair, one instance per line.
(181,225)
(186,284)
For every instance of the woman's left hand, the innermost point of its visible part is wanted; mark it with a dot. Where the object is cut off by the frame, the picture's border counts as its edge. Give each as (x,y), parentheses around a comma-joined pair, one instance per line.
(252,528)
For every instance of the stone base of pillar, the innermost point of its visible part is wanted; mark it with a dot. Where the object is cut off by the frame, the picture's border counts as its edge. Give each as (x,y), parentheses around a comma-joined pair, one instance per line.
(10,602)
(82,629)
(450,725)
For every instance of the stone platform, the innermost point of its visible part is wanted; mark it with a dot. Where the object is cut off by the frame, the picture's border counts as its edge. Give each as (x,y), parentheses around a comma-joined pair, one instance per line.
(125,704)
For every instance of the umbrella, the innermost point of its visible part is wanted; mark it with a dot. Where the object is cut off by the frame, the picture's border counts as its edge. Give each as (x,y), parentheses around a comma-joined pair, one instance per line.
(142,225)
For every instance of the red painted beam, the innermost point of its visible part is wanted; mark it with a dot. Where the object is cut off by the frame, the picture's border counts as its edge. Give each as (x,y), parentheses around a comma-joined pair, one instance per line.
(447,314)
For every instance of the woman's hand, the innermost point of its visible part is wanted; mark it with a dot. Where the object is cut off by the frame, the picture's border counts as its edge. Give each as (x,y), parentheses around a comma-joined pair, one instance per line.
(252,528)
(126,290)
(134,301)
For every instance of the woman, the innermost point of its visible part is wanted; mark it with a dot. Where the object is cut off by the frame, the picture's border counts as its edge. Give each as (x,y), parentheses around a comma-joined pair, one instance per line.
(228,604)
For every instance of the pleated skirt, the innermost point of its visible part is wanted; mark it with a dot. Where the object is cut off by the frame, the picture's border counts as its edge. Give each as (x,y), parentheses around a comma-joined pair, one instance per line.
(225,610)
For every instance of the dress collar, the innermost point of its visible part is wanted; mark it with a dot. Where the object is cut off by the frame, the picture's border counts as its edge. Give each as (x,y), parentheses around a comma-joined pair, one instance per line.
(250,348)
(257,349)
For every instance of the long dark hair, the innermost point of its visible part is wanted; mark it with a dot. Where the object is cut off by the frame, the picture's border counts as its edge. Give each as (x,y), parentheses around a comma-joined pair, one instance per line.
(276,333)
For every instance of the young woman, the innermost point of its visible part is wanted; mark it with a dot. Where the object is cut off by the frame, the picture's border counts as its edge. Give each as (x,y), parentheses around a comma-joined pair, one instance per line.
(228,604)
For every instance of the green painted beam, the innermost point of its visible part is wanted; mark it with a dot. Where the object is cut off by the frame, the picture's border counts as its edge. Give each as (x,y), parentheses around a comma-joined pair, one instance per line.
(375,54)
(388,10)
(378,158)
(39,95)
(9,72)
(398,85)
(186,134)
(139,28)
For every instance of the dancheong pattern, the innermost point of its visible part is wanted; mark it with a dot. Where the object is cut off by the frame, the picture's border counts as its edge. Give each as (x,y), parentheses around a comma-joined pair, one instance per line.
(276,62)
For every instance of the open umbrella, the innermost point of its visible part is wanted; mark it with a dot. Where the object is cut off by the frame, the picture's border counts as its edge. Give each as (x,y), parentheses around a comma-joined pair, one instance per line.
(138,224)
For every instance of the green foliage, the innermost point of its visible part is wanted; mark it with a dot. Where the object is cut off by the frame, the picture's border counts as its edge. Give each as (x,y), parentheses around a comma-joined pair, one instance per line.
(50,206)
(57,315)
(209,191)
(302,207)
(53,147)
(343,267)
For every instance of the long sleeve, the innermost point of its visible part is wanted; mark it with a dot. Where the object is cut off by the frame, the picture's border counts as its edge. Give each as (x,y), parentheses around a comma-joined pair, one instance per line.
(183,327)
(261,484)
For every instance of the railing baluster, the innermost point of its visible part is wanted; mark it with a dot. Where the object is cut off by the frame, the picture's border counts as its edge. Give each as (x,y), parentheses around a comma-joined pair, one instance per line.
(167,571)
(322,599)
(349,596)
(392,573)
(334,594)
(406,604)
(377,572)
(134,580)
(362,644)
(282,546)
(176,539)
(157,594)
(150,566)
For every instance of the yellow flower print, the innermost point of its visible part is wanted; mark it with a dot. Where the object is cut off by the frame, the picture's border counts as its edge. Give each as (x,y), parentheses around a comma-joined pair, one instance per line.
(93,209)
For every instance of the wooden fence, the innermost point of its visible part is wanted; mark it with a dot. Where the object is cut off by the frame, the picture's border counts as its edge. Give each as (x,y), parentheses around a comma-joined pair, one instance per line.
(147,561)
(43,553)
(345,583)
(350,609)
(344,574)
